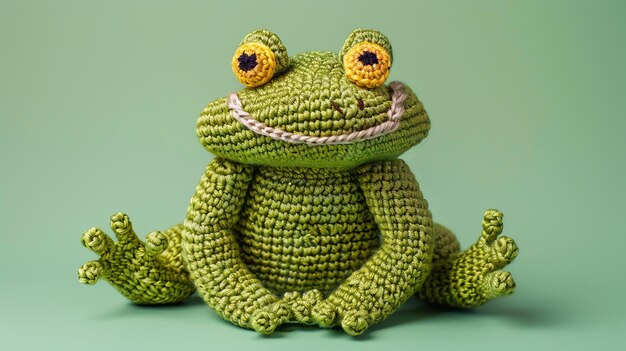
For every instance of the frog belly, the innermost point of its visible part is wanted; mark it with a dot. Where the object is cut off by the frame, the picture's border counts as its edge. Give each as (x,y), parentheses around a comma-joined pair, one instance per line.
(303,229)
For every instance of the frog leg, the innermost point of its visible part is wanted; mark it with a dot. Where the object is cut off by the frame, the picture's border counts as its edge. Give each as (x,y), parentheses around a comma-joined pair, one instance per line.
(446,243)
(149,272)
(473,277)
(401,264)
(213,256)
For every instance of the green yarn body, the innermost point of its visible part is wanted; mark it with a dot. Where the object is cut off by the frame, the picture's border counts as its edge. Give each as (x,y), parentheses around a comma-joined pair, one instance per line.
(268,245)
(335,234)
(302,230)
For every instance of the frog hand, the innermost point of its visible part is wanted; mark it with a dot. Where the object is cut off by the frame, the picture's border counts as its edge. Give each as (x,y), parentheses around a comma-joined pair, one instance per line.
(353,318)
(400,265)
(133,267)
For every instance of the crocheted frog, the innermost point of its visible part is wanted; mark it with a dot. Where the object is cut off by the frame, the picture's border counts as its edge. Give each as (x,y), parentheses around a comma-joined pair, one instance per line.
(306,214)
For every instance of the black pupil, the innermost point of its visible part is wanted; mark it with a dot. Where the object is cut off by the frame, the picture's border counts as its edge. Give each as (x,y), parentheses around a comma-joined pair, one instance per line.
(247,62)
(368,58)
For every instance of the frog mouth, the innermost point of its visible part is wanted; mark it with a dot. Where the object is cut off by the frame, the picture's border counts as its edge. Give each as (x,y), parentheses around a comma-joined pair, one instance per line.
(398,96)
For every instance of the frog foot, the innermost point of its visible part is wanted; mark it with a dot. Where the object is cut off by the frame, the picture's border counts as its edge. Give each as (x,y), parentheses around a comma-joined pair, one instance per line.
(325,314)
(293,307)
(133,267)
(267,319)
(354,322)
(476,275)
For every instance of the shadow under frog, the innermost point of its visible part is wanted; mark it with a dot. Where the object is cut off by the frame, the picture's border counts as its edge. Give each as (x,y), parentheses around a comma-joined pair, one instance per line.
(306,214)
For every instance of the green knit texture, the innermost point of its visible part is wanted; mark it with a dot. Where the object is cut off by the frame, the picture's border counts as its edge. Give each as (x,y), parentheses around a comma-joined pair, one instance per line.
(366,35)
(150,272)
(330,234)
(272,41)
(473,277)
(318,226)
(312,98)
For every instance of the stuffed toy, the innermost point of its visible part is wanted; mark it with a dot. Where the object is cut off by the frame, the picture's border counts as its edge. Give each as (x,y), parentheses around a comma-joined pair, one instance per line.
(306,214)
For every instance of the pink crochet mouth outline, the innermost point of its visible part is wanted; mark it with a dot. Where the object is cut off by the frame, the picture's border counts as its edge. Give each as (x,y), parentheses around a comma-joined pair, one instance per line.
(398,96)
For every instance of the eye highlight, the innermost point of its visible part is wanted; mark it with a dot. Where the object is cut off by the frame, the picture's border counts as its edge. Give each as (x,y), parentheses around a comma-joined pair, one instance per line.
(254,64)
(367,64)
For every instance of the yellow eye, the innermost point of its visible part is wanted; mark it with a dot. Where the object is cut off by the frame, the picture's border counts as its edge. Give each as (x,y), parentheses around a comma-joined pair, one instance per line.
(254,64)
(367,64)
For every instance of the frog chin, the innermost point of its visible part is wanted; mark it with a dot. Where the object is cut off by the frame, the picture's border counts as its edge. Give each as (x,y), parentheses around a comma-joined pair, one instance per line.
(398,96)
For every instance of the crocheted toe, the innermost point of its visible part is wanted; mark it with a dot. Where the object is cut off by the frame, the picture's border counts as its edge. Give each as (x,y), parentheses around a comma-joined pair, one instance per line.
(500,251)
(270,317)
(324,314)
(499,283)
(97,241)
(492,225)
(123,229)
(504,251)
(90,272)
(355,322)
(156,243)
(265,322)
(302,307)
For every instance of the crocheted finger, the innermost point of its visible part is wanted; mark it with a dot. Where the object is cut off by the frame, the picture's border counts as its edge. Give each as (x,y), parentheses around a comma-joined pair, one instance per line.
(325,314)
(492,225)
(356,322)
(156,243)
(313,297)
(302,306)
(97,241)
(271,317)
(498,283)
(504,251)
(90,272)
(123,229)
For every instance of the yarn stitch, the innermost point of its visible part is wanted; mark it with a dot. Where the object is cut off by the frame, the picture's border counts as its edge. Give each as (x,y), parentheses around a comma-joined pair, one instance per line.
(306,214)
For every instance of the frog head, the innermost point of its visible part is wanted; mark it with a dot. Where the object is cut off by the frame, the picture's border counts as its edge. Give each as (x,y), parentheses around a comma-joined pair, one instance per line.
(315,109)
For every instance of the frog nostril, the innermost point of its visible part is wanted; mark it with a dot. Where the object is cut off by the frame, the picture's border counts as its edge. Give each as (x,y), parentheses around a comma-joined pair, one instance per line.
(336,107)
(360,103)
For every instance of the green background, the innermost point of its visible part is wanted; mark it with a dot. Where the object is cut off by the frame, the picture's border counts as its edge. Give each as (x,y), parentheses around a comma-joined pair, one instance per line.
(98,108)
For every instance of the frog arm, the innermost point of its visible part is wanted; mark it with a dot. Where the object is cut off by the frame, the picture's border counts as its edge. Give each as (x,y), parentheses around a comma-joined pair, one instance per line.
(401,264)
(210,248)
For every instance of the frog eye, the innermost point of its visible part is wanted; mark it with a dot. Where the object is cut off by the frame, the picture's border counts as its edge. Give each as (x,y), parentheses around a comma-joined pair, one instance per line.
(367,64)
(254,64)
(260,56)
(366,58)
